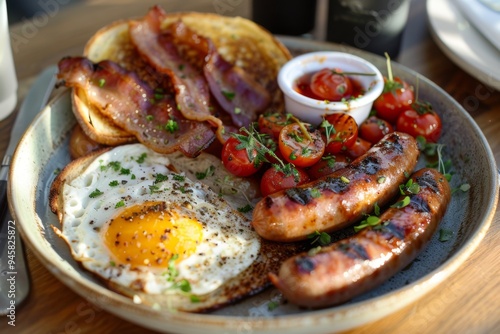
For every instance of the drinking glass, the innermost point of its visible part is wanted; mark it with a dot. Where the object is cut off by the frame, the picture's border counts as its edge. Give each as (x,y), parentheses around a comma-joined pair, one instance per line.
(373,25)
(8,80)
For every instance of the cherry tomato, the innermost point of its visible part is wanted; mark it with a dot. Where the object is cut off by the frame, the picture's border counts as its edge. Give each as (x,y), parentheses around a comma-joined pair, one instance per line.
(374,128)
(339,132)
(359,148)
(396,97)
(331,84)
(299,150)
(327,165)
(420,120)
(272,123)
(237,161)
(274,180)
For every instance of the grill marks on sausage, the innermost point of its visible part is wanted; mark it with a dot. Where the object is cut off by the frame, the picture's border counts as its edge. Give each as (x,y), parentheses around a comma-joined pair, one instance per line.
(368,166)
(348,267)
(341,198)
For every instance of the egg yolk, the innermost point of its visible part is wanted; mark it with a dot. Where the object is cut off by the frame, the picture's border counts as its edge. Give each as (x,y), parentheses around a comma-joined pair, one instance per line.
(149,235)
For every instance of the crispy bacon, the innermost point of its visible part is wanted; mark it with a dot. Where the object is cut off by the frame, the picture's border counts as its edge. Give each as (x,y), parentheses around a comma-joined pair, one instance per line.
(237,93)
(191,90)
(149,114)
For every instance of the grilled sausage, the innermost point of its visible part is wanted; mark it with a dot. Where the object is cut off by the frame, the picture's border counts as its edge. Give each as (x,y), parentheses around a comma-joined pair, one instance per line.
(341,198)
(358,263)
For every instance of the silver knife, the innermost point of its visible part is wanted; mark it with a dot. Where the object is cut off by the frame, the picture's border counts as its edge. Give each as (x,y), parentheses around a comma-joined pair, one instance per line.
(14,275)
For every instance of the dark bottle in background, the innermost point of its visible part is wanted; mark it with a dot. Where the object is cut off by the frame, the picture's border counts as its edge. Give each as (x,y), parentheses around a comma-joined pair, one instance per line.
(285,17)
(373,25)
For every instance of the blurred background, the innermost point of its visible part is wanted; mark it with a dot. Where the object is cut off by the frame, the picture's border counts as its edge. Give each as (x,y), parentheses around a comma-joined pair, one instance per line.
(19,10)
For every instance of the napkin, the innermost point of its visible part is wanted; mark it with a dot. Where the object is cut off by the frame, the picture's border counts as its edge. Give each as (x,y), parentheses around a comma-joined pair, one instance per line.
(483,16)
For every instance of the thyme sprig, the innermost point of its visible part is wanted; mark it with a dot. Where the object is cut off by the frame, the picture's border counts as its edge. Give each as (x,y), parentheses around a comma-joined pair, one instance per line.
(253,141)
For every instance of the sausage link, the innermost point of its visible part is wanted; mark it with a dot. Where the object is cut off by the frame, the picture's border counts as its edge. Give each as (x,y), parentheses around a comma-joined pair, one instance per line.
(341,198)
(354,265)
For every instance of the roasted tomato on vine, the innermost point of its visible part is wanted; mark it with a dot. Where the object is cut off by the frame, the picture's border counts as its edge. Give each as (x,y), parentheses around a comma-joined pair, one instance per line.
(240,157)
(331,84)
(420,120)
(300,146)
(276,178)
(328,164)
(340,131)
(396,97)
(374,128)
(272,123)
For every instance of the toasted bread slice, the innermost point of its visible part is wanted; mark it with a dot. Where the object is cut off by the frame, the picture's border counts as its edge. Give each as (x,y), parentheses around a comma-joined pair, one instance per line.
(238,40)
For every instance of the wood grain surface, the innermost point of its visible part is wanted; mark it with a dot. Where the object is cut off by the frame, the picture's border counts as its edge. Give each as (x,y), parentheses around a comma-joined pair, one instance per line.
(467,303)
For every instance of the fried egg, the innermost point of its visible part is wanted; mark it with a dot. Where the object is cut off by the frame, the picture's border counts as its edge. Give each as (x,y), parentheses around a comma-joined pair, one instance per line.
(137,224)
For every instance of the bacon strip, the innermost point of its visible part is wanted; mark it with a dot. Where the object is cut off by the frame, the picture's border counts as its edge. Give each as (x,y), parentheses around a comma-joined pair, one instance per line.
(151,115)
(237,93)
(192,92)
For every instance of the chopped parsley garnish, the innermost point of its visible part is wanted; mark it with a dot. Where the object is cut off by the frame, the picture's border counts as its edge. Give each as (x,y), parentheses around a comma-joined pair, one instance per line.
(344,179)
(154,189)
(246,208)
(171,126)
(149,117)
(141,158)
(120,204)
(228,95)
(101,82)
(315,193)
(160,178)
(113,183)
(114,165)
(95,193)
(124,171)
(445,235)
(180,178)
(272,305)
(183,285)
(207,173)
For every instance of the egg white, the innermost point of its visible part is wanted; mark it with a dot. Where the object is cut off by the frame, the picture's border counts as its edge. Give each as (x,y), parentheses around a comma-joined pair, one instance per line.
(229,244)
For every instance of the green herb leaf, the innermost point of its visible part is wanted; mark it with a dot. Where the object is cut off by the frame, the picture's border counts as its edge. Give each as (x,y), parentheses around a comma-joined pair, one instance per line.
(120,204)
(113,183)
(180,178)
(95,193)
(142,158)
(445,235)
(401,204)
(207,173)
(228,95)
(272,305)
(160,178)
(246,208)
(322,238)
(171,126)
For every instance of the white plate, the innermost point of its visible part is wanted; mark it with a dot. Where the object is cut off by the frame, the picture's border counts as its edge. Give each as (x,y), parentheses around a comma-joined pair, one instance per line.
(463,43)
(44,149)
(484,18)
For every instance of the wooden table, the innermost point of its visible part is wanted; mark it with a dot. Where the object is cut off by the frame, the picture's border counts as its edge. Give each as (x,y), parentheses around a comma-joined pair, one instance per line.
(468,302)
